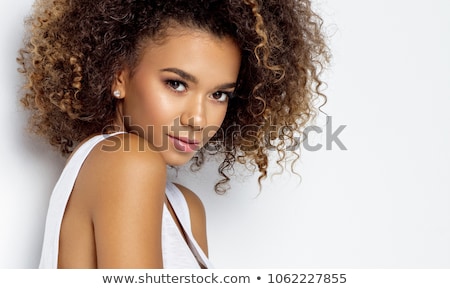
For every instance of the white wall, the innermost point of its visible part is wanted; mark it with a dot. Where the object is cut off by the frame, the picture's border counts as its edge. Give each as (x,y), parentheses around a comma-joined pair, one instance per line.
(383,203)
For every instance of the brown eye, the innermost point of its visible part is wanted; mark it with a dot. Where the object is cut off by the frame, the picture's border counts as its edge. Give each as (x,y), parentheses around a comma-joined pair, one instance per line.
(178,86)
(220,96)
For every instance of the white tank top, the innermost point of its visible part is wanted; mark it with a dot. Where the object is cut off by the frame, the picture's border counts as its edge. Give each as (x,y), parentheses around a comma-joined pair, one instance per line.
(176,253)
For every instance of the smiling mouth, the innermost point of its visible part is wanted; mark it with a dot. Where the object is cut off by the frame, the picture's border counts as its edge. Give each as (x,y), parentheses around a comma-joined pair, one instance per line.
(184,144)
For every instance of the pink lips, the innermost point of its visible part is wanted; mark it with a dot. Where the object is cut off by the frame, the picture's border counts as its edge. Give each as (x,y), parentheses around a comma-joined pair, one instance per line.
(184,144)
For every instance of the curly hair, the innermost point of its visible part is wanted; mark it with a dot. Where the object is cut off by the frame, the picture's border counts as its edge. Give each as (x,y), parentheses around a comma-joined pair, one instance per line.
(74,48)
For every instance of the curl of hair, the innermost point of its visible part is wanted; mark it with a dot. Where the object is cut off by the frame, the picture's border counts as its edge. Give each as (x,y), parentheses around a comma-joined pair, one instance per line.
(74,48)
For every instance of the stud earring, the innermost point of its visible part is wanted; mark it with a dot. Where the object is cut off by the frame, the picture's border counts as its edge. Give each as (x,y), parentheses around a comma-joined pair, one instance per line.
(117,94)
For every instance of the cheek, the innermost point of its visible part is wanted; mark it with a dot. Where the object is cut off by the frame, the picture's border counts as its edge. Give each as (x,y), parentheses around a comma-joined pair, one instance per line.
(148,106)
(157,109)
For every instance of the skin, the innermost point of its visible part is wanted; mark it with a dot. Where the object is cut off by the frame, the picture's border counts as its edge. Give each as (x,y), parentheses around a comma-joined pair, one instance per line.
(179,89)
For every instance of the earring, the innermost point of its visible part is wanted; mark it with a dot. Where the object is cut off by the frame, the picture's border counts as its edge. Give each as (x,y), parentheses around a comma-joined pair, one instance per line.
(117,94)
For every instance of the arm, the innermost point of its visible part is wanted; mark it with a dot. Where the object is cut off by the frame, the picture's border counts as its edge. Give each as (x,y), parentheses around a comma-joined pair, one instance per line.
(127,189)
(198,217)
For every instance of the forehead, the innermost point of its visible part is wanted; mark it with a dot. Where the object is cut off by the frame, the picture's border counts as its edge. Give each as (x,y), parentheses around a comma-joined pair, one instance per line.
(187,41)
(173,31)
(195,51)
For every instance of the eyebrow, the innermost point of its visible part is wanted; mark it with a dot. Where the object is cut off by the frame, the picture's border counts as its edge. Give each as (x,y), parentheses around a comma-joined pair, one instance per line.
(182,74)
(189,77)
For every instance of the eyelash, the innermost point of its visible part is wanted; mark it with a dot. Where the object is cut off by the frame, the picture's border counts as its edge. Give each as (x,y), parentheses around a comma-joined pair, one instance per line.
(173,84)
(228,94)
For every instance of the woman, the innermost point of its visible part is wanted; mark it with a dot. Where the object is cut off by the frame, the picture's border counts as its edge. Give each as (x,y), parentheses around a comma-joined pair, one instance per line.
(126,88)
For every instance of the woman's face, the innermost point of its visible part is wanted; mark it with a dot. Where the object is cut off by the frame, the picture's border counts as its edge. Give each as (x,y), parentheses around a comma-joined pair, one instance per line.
(177,96)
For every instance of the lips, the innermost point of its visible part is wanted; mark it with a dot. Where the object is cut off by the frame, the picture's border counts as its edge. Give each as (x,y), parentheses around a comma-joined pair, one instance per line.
(184,144)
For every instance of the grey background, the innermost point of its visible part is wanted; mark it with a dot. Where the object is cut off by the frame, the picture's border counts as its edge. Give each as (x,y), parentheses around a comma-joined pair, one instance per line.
(383,203)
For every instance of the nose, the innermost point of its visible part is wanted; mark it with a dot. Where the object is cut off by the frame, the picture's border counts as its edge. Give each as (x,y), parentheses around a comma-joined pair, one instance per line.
(194,114)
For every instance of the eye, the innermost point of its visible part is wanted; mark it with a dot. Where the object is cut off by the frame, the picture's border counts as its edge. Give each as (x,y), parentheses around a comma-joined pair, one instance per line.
(176,85)
(221,96)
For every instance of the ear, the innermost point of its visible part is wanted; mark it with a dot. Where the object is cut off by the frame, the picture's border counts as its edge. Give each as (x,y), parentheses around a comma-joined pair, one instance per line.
(118,88)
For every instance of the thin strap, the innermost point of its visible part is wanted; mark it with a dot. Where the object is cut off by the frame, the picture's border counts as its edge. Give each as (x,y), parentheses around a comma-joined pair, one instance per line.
(181,210)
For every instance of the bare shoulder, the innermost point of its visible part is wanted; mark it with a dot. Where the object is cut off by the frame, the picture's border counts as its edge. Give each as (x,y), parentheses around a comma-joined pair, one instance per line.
(126,154)
(122,160)
(197,215)
(125,145)
(123,182)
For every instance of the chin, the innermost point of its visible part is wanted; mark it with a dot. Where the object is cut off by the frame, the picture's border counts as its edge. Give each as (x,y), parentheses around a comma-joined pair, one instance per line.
(178,160)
